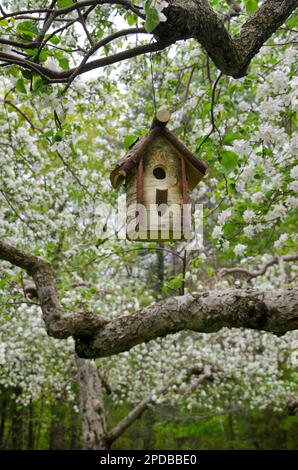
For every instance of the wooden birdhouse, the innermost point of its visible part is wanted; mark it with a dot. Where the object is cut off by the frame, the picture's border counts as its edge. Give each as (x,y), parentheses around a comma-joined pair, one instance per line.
(159,172)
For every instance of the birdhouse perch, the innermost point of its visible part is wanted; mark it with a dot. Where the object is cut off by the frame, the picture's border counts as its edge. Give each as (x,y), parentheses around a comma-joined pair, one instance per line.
(159,173)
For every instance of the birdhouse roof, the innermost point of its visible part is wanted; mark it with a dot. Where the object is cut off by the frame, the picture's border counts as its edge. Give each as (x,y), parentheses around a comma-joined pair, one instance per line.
(196,168)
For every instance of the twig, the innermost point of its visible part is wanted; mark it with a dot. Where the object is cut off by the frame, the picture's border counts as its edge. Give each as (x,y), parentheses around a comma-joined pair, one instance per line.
(82,21)
(97,46)
(262,270)
(10,103)
(211,113)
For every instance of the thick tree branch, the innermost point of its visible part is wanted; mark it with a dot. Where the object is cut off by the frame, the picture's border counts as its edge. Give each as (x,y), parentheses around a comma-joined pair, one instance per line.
(58,323)
(231,56)
(262,270)
(192,19)
(274,311)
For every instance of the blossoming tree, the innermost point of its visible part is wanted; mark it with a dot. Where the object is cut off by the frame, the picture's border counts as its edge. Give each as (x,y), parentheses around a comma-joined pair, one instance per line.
(56,133)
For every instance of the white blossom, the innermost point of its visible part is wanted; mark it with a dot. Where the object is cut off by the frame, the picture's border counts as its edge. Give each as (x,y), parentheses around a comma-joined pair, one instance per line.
(283,238)
(241,147)
(224,217)
(294,172)
(217,232)
(248,215)
(249,231)
(239,249)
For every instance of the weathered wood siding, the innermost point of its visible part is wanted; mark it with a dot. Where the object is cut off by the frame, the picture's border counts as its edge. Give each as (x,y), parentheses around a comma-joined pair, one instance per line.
(161,154)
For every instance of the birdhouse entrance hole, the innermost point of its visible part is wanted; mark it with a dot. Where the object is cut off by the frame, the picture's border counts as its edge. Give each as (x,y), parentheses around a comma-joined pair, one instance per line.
(159,173)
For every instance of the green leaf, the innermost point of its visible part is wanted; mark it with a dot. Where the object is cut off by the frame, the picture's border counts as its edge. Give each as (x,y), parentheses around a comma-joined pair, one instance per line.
(129,140)
(229,159)
(152,19)
(251,6)
(20,86)
(292,22)
(27,74)
(207,143)
(27,27)
(38,83)
(229,138)
(174,283)
(54,40)
(64,64)
(131,19)
(43,56)
(152,245)
(59,136)
(64,3)
(3,283)
(32,52)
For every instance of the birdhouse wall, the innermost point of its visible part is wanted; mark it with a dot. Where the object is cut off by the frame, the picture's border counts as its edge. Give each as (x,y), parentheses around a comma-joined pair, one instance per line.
(162,155)
(162,184)
(131,196)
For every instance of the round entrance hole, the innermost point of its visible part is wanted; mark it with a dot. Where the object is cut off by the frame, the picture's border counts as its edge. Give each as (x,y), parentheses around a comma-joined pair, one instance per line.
(159,173)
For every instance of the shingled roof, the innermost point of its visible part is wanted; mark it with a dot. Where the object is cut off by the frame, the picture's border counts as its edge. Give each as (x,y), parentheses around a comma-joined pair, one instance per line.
(196,168)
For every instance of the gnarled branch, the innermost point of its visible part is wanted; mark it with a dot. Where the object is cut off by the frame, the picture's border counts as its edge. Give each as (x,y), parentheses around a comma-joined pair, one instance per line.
(260,272)
(58,323)
(192,19)
(274,311)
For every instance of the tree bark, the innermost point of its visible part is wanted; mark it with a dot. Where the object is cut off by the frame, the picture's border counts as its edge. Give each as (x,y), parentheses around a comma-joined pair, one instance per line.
(198,20)
(185,19)
(274,311)
(160,269)
(94,430)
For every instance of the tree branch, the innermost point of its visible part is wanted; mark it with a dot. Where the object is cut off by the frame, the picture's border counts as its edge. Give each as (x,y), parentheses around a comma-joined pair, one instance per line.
(231,56)
(59,324)
(274,311)
(24,116)
(63,76)
(262,270)
(192,19)
(139,409)
(98,45)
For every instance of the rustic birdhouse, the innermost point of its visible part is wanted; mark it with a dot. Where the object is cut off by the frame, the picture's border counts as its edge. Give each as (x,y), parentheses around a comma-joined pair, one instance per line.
(159,173)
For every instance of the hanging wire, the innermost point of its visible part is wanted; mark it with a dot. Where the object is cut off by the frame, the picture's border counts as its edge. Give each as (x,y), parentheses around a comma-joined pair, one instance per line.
(152,83)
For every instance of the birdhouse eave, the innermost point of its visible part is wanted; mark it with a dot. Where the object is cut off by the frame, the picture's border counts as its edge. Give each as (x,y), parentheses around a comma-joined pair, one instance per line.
(196,168)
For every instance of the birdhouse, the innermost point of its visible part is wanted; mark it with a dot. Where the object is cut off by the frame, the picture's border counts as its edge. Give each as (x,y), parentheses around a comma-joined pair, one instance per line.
(159,172)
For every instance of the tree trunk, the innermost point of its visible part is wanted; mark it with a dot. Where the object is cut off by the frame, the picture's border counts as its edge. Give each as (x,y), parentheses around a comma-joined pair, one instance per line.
(40,420)
(57,430)
(94,431)
(17,435)
(4,403)
(30,439)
